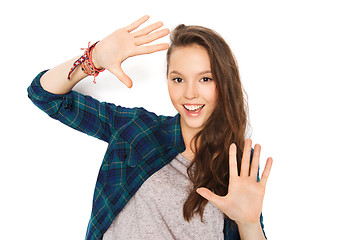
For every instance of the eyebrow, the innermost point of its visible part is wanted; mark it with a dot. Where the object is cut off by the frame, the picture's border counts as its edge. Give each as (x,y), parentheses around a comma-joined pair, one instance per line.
(200,73)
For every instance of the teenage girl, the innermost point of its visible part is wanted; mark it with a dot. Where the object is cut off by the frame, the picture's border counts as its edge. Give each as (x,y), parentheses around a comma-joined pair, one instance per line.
(191,176)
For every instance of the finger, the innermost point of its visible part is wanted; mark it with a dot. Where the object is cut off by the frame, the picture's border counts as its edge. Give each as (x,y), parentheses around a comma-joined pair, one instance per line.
(255,162)
(212,197)
(266,172)
(119,73)
(245,161)
(147,30)
(137,23)
(151,37)
(233,170)
(151,48)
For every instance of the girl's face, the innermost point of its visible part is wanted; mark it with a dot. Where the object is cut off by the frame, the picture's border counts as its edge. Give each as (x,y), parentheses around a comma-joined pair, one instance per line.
(191,86)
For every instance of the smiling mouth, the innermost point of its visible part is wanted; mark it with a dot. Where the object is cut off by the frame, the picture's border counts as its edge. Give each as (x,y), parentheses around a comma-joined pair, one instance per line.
(193,108)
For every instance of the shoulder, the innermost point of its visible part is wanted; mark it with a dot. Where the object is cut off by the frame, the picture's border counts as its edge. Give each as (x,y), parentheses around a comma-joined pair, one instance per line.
(151,118)
(146,126)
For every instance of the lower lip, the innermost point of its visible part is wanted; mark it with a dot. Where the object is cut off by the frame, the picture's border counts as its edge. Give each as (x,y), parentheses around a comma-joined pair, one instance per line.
(193,113)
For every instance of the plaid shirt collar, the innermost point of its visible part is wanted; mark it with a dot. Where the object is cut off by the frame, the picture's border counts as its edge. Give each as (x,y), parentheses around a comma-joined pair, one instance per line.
(173,135)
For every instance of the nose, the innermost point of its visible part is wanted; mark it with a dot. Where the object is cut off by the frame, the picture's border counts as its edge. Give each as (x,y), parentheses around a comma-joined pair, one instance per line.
(191,91)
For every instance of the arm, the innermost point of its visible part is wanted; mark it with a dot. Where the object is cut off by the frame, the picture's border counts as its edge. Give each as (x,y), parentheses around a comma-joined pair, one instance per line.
(80,112)
(51,91)
(55,80)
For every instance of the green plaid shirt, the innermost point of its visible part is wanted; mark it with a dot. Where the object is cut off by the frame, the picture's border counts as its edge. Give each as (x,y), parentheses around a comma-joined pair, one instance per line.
(140,143)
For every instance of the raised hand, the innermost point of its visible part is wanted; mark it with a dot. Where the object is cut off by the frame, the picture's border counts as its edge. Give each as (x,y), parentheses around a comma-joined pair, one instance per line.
(244,200)
(125,42)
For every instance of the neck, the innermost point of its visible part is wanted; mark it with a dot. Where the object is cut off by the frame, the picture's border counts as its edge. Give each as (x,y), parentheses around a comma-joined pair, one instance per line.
(188,134)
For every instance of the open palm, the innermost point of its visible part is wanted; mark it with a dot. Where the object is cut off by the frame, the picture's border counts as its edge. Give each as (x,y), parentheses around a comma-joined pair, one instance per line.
(125,42)
(244,200)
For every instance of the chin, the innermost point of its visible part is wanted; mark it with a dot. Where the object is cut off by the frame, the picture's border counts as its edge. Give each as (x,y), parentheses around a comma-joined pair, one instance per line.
(197,124)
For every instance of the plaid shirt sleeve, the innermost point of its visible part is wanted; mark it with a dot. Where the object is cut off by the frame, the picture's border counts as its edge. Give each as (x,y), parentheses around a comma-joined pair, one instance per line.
(81,112)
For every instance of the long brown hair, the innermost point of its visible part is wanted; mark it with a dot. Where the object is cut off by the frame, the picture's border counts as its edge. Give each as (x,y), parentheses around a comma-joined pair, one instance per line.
(226,125)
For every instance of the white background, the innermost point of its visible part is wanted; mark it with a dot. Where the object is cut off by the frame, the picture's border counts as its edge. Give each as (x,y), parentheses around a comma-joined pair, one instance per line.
(299,63)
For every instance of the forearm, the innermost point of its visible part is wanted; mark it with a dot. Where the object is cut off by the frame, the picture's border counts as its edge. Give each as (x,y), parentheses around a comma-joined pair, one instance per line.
(251,231)
(55,80)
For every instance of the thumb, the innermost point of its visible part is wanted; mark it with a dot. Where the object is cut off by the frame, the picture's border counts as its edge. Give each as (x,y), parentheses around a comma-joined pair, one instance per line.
(209,195)
(119,73)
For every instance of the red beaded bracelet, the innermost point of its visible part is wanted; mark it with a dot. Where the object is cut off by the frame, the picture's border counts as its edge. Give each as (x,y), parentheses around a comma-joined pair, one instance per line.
(87,65)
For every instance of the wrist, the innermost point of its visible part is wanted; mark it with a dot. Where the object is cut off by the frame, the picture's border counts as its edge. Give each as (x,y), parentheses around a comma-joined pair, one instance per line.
(250,230)
(249,225)
(94,59)
(86,63)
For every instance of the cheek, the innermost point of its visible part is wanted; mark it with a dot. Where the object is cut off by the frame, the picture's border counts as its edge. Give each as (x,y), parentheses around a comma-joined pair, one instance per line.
(214,97)
(211,95)
(173,94)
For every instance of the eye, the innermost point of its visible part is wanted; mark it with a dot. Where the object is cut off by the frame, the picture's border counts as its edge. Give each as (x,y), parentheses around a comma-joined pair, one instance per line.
(178,80)
(206,79)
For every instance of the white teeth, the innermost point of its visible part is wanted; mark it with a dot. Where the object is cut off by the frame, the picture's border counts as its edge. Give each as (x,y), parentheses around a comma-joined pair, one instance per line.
(193,107)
